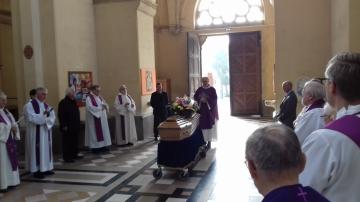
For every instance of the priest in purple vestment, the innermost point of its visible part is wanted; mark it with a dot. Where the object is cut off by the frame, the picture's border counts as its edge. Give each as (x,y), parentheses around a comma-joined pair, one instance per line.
(9,132)
(275,160)
(206,97)
(333,153)
(310,117)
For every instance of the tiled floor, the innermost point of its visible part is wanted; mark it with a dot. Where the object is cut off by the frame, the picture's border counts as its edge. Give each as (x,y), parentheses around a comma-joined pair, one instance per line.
(126,174)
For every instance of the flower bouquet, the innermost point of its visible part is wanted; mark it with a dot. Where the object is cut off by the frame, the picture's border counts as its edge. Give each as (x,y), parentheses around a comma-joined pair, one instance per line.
(184,106)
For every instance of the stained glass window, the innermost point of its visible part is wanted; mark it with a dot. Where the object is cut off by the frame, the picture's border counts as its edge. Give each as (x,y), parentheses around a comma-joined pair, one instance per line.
(229,12)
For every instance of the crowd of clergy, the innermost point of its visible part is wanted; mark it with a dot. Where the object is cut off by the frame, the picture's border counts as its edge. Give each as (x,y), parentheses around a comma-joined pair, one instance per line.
(39,118)
(314,156)
(323,161)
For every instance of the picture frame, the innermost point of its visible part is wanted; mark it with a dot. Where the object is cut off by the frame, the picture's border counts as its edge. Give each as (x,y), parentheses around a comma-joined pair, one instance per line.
(80,81)
(148,81)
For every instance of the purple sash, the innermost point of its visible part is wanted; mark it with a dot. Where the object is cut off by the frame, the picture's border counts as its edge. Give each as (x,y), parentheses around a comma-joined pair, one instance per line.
(36,107)
(348,125)
(317,104)
(120,99)
(10,145)
(97,121)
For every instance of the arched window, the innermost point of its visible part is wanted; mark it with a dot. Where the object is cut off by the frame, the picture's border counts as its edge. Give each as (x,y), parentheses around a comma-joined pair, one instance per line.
(219,13)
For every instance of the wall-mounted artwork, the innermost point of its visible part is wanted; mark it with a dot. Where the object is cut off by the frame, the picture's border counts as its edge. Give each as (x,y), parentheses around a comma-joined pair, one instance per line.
(80,82)
(148,81)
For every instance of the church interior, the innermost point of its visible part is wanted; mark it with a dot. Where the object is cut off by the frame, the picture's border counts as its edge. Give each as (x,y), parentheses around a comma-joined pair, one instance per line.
(140,42)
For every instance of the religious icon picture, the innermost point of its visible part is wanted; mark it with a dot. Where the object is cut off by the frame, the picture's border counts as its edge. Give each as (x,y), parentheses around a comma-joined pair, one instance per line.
(80,82)
(148,81)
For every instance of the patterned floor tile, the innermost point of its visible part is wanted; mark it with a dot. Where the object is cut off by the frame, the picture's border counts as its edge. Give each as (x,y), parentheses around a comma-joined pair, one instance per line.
(36,198)
(142,180)
(165,181)
(175,200)
(98,160)
(118,198)
(147,199)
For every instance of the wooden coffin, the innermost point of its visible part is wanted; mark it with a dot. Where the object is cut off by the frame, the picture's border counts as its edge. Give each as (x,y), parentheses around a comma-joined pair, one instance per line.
(177,128)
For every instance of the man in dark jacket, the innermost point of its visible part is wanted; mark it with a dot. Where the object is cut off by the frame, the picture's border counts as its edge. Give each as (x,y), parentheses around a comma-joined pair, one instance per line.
(287,113)
(159,101)
(69,117)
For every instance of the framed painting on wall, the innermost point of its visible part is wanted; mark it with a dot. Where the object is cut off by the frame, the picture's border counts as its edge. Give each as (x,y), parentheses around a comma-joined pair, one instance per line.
(80,82)
(148,81)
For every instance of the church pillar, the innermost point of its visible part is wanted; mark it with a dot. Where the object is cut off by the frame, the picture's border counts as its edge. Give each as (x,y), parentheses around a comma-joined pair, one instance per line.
(27,34)
(125,44)
(345,25)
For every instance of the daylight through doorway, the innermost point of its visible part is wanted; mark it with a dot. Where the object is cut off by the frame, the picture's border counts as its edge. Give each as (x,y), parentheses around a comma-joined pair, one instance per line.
(215,65)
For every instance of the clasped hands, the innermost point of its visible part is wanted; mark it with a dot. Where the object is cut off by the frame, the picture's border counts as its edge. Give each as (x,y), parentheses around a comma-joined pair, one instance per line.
(203,99)
(14,129)
(131,105)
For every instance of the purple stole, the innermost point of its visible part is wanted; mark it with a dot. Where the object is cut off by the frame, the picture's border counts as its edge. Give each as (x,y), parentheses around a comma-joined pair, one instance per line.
(10,144)
(97,121)
(36,107)
(317,104)
(348,125)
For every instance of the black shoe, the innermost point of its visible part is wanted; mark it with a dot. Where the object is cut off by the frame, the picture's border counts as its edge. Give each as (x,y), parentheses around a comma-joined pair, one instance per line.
(95,151)
(39,175)
(3,190)
(49,172)
(69,161)
(156,139)
(77,157)
(130,144)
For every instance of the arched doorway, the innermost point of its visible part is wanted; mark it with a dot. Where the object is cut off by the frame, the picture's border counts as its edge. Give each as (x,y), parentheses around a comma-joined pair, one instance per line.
(245,23)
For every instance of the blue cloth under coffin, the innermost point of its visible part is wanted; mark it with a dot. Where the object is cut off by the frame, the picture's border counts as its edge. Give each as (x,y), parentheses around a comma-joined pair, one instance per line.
(179,154)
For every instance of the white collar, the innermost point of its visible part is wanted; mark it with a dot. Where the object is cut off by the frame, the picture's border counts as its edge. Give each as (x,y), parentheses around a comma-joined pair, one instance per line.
(351,109)
(206,87)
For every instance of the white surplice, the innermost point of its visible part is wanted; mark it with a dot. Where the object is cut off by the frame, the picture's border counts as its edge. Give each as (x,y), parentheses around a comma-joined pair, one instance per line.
(8,177)
(125,121)
(45,144)
(90,132)
(333,163)
(307,122)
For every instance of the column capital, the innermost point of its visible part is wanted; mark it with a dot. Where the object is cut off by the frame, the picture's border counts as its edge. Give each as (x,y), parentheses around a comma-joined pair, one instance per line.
(148,7)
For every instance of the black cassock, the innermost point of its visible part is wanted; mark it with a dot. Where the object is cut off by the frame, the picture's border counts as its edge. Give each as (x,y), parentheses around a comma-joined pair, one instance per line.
(159,101)
(69,117)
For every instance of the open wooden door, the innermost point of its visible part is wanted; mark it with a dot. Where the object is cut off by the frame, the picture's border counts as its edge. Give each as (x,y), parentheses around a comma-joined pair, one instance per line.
(245,73)
(194,62)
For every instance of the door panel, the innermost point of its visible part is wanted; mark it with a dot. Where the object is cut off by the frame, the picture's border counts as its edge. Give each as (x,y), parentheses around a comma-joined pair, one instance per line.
(194,62)
(245,73)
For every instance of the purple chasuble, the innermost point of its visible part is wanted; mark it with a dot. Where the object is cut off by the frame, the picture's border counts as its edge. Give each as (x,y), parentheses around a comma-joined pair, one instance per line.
(348,125)
(294,193)
(10,144)
(207,116)
(97,121)
(36,107)
(317,104)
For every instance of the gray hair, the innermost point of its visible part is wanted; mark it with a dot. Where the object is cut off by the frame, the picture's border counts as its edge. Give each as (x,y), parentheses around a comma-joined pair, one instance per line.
(344,70)
(41,89)
(314,89)
(3,95)
(122,87)
(274,148)
(68,90)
